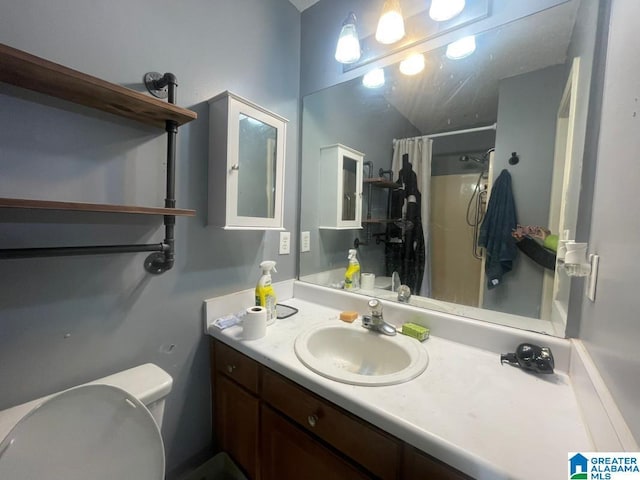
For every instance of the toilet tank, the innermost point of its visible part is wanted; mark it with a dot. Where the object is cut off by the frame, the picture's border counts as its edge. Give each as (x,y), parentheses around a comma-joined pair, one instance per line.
(148,383)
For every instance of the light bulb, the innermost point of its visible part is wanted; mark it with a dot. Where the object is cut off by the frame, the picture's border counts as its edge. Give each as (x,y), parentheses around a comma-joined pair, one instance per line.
(374,78)
(413,64)
(348,48)
(461,48)
(391,24)
(443,10)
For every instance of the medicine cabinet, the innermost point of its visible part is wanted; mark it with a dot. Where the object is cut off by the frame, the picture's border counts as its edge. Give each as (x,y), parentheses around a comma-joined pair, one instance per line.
(246,165)
(341,175)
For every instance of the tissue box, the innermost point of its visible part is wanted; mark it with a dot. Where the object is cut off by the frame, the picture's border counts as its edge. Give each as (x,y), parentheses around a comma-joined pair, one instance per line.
(416,331)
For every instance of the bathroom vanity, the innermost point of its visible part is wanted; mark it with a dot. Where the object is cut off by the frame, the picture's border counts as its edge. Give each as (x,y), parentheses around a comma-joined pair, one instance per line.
(276,429)
(465,416)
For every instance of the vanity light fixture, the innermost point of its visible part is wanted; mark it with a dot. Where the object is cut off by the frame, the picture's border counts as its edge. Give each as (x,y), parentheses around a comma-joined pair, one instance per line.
(391,24)
(374,78)
(348,48)
(443,10)
(461,48)
(413,64)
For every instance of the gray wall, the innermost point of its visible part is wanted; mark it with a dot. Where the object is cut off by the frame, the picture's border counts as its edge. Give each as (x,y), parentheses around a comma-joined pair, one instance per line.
(527,109)
(361,119)
(447,151)
(609,327)
(69,320)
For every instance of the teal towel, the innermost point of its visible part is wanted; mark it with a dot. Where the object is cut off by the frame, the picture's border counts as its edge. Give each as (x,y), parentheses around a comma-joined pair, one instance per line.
(495,231)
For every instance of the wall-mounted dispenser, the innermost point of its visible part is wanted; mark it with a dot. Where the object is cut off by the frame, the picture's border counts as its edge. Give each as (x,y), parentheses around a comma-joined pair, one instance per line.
(575,262)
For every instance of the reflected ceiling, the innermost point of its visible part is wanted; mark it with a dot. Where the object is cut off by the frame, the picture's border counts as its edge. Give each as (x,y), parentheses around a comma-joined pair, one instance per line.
(463,93)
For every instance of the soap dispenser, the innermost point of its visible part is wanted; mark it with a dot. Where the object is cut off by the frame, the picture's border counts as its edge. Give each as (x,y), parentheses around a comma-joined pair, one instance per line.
(530,357)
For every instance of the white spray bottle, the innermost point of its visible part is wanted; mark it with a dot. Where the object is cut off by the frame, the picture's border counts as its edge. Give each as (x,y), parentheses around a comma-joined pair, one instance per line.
(265,294)
(352,275)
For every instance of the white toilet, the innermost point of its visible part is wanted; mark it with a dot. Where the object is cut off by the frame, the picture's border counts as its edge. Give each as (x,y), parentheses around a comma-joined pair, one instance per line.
(104,430)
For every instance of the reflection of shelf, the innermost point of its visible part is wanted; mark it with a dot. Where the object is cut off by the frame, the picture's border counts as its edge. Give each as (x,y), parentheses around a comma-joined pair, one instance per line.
(34,73)
(378,220)
(91,207)
(381,183)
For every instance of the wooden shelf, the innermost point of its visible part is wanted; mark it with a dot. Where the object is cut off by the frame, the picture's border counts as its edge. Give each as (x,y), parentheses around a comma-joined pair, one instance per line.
(92,207)
(28,71)
(381,182)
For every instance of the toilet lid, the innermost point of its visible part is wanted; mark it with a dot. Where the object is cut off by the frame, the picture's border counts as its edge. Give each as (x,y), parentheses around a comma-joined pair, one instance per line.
(96,432)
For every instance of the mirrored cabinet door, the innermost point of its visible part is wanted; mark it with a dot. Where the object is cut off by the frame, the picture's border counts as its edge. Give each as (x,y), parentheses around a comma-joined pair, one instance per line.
(246,164)
(341,177)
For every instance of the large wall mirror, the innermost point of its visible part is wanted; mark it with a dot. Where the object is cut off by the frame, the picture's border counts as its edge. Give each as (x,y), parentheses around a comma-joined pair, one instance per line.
(519,103)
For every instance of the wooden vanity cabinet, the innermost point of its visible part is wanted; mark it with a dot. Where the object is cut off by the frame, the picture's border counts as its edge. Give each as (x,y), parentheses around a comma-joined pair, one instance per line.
(236,424)
(417,465)
(363,443)
(236,406)
(290,453)
(275,429)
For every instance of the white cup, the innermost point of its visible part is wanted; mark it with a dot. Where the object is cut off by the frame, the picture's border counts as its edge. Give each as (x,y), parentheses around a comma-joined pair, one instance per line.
(367,281)
(254,323)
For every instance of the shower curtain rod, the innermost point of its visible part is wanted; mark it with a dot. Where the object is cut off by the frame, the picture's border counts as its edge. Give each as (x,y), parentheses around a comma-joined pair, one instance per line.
(453,132)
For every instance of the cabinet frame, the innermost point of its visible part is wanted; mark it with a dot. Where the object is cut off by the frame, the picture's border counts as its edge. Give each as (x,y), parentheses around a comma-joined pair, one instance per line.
(224,166)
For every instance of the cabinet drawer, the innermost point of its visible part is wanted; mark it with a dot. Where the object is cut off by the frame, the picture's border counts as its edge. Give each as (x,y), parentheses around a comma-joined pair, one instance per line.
(370,447)
(237,366)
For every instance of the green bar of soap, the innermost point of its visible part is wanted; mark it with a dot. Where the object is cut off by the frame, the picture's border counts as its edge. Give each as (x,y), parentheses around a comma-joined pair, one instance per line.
(416,331)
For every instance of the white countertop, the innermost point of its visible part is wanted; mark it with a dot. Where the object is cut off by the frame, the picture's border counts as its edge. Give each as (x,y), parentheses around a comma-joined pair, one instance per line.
(488,420)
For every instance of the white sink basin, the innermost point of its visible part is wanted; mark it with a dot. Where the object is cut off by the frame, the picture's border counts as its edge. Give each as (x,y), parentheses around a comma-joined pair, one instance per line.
(351,354)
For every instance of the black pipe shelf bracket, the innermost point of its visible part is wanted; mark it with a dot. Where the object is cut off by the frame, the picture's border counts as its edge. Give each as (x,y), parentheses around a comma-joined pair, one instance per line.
(23,70)
(159,262)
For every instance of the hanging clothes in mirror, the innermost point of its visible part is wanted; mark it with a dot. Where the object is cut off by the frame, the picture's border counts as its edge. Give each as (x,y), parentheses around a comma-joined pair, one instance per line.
(405,249)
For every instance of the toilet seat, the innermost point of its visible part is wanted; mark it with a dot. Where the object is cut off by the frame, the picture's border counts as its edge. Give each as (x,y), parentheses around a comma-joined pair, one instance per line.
(97,432)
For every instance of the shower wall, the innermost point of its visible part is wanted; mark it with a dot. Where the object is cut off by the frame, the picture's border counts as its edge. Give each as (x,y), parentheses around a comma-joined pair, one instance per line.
(455,272)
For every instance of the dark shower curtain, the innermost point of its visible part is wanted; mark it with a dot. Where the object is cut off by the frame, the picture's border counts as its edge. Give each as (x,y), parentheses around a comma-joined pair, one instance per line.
(404,248)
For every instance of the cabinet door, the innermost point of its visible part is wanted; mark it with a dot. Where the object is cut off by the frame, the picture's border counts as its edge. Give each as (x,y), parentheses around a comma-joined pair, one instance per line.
(341,175)
(236,424)
(351,177)
(418,465)
(290,454)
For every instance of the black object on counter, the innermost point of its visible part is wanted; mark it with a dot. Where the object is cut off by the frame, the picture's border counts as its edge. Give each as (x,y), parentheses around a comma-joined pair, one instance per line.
(530,357)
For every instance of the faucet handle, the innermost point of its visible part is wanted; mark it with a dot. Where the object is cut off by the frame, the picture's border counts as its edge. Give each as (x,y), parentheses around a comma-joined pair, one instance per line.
(376,307)
(404,294)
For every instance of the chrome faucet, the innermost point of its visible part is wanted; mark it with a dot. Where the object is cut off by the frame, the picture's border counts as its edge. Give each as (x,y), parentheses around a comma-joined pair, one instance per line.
(404,294)
(374,320)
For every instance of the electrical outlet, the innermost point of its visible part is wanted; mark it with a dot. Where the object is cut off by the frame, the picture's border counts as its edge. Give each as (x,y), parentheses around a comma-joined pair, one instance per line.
(285,243)
(305,242)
